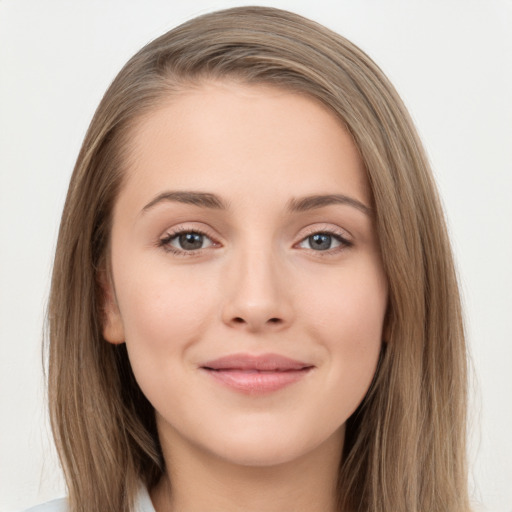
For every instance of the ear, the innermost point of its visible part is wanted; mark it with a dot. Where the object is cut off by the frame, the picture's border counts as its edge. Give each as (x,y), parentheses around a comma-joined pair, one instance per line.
(112,324)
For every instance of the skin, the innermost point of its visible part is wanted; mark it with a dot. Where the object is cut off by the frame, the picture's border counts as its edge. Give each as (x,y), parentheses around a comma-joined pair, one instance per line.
(258,285)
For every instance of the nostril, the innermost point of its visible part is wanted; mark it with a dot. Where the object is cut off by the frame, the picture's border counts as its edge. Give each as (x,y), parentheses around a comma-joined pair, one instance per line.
(240,320)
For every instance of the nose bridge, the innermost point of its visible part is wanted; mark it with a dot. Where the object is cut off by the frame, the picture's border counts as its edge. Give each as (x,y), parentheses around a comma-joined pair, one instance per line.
(259,274)
(257,289)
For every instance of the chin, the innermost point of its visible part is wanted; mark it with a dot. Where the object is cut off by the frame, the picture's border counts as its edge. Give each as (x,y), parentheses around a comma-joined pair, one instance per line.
(258,457)
(268,448)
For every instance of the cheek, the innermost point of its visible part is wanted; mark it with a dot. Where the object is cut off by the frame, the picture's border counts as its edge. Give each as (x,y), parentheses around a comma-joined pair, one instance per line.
(347,317)
(161,324)
(163,314)
(350,304)
(161,302)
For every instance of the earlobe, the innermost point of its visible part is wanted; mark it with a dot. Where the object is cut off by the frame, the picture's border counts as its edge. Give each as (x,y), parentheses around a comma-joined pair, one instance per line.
(113,330)
(112,324)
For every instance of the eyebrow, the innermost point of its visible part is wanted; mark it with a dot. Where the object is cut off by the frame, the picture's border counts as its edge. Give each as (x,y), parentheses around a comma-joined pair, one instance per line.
(319,201)
(202,199)
(208,200)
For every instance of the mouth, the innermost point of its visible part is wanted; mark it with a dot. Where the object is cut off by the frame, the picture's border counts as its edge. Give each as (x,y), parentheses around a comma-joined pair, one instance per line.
(256,374)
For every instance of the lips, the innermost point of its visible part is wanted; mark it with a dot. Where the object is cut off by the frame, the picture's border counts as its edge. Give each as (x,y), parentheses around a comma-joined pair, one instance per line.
(256,374)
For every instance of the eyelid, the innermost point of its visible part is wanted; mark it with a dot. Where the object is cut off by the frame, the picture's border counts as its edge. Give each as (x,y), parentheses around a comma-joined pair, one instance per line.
(343,236)
(171,233)
(325,228)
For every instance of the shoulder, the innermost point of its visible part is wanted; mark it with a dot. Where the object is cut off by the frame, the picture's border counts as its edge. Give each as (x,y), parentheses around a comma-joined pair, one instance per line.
(58,505)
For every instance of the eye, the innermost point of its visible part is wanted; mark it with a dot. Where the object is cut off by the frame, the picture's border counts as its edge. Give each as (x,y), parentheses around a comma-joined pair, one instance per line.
(323,242)
(186,241)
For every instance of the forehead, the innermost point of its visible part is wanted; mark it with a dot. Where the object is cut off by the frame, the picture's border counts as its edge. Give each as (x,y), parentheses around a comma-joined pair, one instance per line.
(233,139)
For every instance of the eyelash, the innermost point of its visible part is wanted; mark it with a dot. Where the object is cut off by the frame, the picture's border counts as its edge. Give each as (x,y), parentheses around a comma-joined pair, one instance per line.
(336,235)
(165,242)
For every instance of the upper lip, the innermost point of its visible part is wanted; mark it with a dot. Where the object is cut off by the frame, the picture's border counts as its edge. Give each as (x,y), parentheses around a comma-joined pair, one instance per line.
(263,362)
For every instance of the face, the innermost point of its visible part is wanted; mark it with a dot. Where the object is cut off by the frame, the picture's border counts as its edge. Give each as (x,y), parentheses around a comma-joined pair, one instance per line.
(246,277)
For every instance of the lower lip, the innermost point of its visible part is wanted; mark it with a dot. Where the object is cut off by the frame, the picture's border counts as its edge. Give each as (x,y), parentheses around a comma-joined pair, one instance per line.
(257,382)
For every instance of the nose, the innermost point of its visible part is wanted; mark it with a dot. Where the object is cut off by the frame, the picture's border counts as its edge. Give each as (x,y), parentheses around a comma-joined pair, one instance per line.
(257,296)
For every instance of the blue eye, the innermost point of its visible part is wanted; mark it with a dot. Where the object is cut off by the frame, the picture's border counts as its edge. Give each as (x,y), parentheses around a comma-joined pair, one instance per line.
(323,242)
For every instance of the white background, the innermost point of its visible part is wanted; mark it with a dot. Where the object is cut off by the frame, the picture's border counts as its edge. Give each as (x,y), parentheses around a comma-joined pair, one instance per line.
(450,60)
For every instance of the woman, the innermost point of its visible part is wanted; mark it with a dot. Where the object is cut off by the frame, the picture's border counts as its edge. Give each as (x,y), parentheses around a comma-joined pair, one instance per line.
(253,303)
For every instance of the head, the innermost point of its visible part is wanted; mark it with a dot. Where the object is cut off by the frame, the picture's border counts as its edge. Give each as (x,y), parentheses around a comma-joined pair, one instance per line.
(400,435)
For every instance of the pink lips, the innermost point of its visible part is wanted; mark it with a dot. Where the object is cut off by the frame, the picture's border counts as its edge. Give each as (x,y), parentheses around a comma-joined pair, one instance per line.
(256,374)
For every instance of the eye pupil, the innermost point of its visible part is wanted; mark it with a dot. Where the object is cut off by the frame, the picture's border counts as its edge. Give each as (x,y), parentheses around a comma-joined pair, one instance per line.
(191,241)
(320,241)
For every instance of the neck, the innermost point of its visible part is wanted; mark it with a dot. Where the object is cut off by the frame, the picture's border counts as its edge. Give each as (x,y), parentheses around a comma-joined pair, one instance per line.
(197,480)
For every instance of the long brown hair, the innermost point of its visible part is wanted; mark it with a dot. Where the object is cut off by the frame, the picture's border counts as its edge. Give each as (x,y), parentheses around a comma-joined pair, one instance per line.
(405,445)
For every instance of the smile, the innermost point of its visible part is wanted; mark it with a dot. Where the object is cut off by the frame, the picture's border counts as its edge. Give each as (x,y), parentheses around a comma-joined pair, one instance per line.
(256,374)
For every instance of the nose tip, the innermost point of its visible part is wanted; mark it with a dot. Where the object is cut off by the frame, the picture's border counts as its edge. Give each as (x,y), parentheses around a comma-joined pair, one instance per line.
(256,295)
